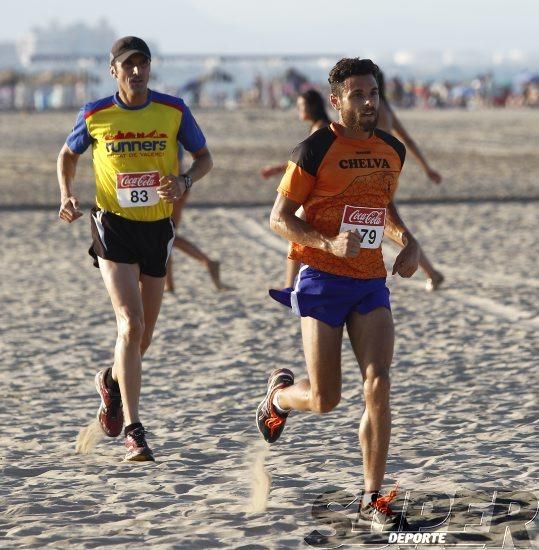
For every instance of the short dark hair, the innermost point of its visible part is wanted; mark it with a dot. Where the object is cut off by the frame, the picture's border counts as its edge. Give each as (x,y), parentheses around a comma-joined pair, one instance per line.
(382,86)
(347,67)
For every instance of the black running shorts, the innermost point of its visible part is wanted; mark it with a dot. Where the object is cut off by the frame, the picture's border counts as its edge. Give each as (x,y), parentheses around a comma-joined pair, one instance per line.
(132,242)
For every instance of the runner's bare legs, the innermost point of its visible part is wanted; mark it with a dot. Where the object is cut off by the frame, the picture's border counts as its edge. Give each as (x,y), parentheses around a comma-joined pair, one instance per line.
(151,291)
(192,250)
(321,391)
(136,300)
(372,338)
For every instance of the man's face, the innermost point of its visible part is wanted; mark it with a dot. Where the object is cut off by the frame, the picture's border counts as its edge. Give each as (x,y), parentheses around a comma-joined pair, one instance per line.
(358,103)
(133,74)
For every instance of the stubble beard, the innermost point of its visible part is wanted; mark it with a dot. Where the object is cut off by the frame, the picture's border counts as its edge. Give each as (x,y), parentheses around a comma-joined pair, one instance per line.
(354,121)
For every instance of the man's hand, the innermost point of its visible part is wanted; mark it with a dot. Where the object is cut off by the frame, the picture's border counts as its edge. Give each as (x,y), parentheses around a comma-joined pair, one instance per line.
(407,261)
(433,175)
(69,209)
(345,245)
(171,188)
(269,171)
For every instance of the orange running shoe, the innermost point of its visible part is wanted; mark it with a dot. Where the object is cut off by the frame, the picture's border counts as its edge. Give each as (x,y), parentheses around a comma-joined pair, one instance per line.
(110,413)
(378,512)
(269,422)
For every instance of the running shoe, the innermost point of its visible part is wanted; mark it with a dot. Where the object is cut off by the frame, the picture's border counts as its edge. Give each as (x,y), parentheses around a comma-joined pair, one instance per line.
(379,513)
(136,446)
(270,423)
(110,413)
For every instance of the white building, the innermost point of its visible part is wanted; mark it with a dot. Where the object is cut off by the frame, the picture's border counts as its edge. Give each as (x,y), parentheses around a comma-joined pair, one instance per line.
(73,41)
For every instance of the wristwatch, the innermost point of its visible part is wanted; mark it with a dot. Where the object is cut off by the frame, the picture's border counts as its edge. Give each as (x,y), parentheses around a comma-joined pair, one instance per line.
(188,181)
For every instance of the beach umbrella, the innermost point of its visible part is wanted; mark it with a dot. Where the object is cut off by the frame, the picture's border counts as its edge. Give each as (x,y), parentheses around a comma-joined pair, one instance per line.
(63,78)
(217,75)
(10,77)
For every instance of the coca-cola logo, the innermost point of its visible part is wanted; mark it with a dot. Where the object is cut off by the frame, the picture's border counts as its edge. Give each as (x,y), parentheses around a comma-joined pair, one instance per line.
(364,216)
(138,179)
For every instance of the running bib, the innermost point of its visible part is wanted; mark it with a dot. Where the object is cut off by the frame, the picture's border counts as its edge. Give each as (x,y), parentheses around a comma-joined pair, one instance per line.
(137,189)
(368,222)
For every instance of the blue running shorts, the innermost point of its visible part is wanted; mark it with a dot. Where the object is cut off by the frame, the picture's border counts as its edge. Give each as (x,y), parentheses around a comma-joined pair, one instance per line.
(330,298)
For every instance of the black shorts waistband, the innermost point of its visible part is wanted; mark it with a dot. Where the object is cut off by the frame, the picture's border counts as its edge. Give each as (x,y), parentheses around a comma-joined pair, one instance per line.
(95,209)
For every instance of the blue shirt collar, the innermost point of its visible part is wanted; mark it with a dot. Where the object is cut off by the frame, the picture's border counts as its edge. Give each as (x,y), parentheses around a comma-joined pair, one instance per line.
(122,105)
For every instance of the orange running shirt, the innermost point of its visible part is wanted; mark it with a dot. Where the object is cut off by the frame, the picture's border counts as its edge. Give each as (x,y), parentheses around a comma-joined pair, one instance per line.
(343,183)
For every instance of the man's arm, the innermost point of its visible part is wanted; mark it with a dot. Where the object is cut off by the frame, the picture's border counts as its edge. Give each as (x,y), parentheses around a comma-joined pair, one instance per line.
(284,222)
(412,146)
(172,188)
(272,170)
(202,164)
(407,261)
(66,167)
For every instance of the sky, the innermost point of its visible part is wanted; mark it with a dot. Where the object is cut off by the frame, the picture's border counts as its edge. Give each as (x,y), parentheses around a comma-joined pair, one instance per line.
(296,26)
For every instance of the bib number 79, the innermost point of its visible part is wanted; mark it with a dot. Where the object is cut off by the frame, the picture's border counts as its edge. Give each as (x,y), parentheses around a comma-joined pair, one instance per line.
(369,234)
(368,222)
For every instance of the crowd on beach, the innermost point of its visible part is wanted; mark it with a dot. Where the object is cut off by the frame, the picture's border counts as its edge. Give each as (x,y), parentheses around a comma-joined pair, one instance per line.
(480,92)
(220,89)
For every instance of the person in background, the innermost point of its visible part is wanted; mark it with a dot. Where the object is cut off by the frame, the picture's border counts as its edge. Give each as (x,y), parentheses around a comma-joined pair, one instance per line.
(390,123)
(189,248)
(311,108)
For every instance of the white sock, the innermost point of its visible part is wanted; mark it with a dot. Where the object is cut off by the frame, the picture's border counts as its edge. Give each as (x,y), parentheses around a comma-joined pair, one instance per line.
(275,403)
(367,497)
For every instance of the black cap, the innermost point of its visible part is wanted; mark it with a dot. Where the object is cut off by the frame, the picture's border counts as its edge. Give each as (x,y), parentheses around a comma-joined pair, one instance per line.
(126,46)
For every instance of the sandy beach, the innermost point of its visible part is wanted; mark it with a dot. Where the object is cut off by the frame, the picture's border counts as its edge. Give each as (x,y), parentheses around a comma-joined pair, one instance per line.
(464,378)
(480,153)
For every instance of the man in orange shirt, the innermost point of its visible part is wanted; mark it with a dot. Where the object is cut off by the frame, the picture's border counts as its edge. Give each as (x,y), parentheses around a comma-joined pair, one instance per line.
(344,176)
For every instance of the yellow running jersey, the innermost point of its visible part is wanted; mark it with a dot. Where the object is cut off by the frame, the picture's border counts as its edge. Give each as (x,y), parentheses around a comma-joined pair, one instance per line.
(132,148)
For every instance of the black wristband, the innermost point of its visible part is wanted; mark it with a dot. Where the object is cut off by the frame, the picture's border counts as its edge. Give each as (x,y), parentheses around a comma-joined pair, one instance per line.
(188,180)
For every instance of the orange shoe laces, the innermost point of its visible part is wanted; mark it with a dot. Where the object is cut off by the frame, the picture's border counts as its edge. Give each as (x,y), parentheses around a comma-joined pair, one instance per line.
(275,421)
(382,503)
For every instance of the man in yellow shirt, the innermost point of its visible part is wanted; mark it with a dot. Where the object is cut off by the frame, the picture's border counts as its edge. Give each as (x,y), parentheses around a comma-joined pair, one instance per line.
(134,137)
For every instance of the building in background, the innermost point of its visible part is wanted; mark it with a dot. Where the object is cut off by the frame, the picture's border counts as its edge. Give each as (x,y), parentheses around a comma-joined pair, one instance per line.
(54,67)
(63,66)
(75,41)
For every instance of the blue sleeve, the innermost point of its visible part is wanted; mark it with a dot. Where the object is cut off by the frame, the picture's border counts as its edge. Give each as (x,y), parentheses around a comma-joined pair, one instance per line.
(190,135)
(79,139)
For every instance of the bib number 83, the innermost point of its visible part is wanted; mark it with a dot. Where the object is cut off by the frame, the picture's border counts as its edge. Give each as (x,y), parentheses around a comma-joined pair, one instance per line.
(139,196)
